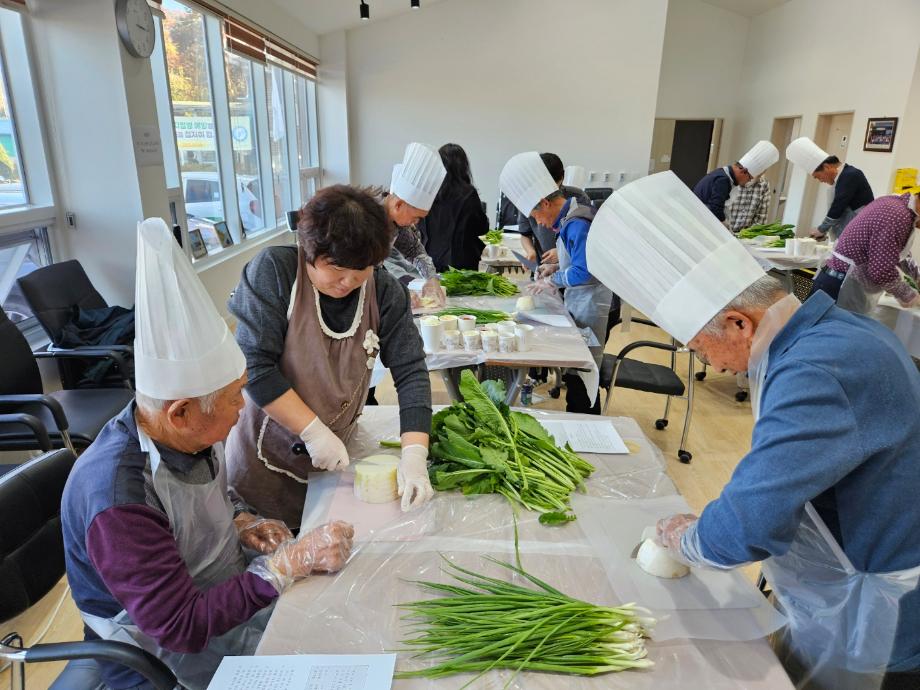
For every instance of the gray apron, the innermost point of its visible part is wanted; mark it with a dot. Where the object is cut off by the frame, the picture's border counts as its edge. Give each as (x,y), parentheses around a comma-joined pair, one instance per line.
(331,374)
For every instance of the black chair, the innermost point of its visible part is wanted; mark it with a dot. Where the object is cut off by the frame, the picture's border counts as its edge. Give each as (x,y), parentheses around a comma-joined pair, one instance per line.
(53,292)
(32,562)
(620,370)
(73,418)
(598,193)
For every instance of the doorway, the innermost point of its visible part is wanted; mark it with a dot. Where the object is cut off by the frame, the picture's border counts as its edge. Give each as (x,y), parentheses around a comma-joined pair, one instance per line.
(785,129)
(832,133)
(690,148)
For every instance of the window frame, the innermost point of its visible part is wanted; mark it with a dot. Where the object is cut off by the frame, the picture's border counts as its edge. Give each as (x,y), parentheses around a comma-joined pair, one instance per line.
(216,57)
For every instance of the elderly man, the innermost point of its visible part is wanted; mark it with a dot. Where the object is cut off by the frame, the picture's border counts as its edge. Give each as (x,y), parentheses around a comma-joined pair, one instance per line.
(826,497)
(526,181)
(851,188)
(158,554)
(715,188)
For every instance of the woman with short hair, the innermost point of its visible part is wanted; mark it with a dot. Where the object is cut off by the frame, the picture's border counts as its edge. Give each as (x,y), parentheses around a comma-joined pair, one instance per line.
(312,319)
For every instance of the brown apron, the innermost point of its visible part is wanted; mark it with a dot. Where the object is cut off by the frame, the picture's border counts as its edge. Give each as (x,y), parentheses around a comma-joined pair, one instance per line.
(331,374)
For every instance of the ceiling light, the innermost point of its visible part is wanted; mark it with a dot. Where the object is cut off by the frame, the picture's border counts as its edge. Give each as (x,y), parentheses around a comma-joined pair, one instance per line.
(414,4)
(365,11)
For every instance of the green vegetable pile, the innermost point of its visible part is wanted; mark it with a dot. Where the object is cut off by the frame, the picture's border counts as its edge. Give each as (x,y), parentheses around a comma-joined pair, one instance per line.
(484,623)
(467,282)
(778,243)
(493,237)
(481,447)
(775,228)
(482,315)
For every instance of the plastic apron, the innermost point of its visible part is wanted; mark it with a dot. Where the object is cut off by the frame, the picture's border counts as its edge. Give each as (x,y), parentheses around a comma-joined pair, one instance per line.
(841,621)
(201,518)
(858,294)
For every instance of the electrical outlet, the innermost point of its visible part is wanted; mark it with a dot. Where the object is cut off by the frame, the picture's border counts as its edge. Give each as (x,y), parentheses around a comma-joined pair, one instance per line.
(606,176)
(71,220)
(622,175)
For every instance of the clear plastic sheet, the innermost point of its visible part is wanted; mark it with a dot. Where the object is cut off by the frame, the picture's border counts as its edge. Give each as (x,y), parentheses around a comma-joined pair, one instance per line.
(904,322)
(354,611)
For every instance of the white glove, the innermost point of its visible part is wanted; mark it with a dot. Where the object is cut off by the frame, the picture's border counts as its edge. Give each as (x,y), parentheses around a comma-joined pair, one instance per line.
(433,290)
(547,269)
(412,482)
(327,452)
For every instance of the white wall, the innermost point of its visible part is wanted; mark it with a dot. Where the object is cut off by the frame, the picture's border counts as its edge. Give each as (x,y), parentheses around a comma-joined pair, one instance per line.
(578,78)
(279,21)
(701,66)
(790,68)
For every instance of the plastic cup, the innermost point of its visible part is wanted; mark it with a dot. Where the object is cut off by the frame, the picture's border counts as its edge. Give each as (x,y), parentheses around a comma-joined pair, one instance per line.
(506,327)
(492,251)
(466,322)
(449,321)
(506,342)
(790,247)
(451,340)
(432,333)
(489,341)
(522,336)
(471,340)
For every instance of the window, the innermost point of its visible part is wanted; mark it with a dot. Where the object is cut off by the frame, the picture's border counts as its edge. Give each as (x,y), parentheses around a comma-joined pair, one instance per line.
(243,111)
(20,254)
(26,204)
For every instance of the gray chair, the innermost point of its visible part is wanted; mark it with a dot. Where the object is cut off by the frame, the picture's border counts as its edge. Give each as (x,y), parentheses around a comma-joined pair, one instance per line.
(32,562)
(620,370)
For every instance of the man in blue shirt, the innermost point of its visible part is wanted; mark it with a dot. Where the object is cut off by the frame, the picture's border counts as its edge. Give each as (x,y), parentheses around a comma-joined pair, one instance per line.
(715,188)
(527,182)
(826,497)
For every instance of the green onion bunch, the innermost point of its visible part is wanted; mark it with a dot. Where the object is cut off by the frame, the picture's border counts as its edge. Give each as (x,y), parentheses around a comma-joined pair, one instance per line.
(462,281)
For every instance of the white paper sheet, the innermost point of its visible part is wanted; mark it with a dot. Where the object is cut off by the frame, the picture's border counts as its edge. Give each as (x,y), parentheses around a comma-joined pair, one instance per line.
(588,436)
(306,672)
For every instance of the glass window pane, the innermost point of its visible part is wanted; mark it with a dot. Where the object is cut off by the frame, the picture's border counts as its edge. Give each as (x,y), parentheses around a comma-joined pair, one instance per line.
(303,134)
(245,147)
(12,188)
(277,130)
(19,257)
(193,118)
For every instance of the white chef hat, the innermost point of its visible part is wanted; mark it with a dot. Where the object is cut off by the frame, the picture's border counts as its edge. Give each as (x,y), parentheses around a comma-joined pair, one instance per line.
(656,245)
(575,176)
(418,178)
(526,181)
(761,156)
(805,153)
(182,346)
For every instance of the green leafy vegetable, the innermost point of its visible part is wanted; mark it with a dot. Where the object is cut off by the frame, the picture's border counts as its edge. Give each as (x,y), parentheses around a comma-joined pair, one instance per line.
(480,446)
(391,444)
(775,228)
(482,623)
(482,315)
(493,237)
(467,282)
(556,518)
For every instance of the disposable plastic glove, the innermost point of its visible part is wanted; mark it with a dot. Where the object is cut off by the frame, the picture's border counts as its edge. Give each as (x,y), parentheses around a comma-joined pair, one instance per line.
(412,482)
(261,534)
(547,269)
(912,302)
(322,550)
(540,287)
(433,289)
(817,234)
(669,530)
(327,452)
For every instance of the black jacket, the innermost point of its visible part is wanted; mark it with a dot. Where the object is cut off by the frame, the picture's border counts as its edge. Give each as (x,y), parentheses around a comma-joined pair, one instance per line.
(714,190)
(451,230)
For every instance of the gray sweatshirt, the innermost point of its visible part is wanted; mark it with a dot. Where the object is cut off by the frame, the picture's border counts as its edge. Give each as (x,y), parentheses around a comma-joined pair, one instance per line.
(260,304)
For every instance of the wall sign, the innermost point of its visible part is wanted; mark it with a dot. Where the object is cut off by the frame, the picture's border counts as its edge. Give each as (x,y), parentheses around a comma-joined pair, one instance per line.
(880,133)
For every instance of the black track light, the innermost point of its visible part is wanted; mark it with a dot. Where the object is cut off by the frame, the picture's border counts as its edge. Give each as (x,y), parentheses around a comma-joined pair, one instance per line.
(414,4)
(365,11)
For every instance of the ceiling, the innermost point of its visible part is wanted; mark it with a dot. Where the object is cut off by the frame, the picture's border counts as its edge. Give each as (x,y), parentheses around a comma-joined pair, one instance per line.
(749,8)
(323,16)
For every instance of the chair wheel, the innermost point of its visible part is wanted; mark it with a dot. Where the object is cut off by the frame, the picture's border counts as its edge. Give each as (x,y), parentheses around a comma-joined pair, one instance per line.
(700,375)
(554,392)
(661,424)
(741,396)
(684,456)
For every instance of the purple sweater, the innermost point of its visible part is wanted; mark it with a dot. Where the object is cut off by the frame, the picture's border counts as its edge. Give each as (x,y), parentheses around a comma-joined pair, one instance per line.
(121,553)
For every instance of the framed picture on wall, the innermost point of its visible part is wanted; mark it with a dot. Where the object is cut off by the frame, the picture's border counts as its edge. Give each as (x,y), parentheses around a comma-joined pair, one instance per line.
(196,242)
(880,134)
(223,233)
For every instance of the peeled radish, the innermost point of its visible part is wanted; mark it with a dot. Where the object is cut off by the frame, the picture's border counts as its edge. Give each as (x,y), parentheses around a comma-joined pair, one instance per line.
(655,560)
(375,479)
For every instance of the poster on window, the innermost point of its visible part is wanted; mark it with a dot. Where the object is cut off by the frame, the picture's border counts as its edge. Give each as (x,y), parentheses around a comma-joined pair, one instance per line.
(880,134)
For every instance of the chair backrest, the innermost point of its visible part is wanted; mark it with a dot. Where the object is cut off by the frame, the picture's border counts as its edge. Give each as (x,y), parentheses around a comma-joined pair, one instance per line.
(598,192)
(53,291)
(31,541)
(18,370)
